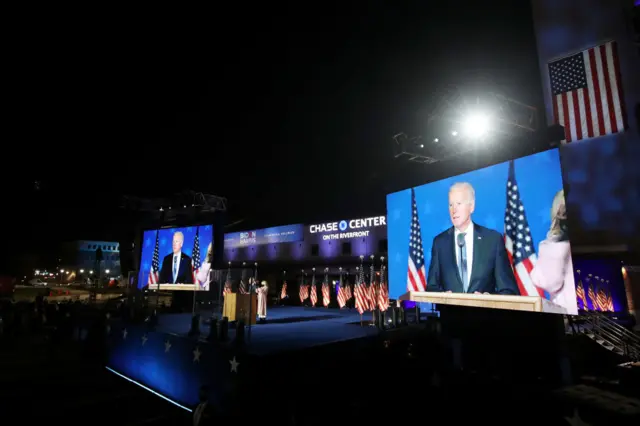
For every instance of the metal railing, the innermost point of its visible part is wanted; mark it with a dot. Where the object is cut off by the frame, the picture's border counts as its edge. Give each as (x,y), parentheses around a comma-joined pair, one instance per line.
(612,334)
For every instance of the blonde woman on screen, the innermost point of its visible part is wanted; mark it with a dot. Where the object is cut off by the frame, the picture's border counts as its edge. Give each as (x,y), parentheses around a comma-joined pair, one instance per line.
(553,272)
(203,273)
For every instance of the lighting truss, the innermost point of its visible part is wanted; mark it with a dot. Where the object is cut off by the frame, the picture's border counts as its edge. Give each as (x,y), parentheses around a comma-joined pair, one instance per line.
(445,124)
(186,201)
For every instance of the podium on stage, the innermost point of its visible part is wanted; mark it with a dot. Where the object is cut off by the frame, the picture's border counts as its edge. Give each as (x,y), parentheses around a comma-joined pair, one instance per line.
(239,307)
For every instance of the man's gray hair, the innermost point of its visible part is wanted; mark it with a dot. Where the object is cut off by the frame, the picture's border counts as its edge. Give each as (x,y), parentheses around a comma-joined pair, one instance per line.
(467,187)
(179,234)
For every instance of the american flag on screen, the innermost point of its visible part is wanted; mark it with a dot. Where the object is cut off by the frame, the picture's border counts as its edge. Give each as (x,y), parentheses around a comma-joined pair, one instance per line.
(417,276)
(155,263)
(314,291)
(586,91)
(195,259)
(517,238)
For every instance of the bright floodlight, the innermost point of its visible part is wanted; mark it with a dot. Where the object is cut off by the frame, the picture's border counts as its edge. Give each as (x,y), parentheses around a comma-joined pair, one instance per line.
(476,125)
(82,271)
(61,271)
(107,271)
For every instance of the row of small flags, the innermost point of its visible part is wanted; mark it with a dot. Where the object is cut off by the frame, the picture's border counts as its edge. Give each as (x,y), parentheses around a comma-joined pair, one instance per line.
(368,296)
(245,283)
(600,298)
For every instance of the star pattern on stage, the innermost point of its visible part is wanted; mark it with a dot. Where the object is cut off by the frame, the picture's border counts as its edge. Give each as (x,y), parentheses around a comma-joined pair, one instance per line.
(124,334)
(576,420)
(167,346)
(196,354)
(234,365)
(107,315)
(144,339)
(387,343)
(108,328)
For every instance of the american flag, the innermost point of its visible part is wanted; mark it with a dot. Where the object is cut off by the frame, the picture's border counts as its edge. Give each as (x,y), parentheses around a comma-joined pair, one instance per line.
(383,293)
(348,294)
(195,258)
(283,293)
(602,300)
(372,295)
(227,284)
(243,282)
(155,264)
(587,93)
(417,277)
(517,238)
(581,295)
(610,307)
(326,293)
(360,291)
(592,294)
(314,291)
(342,293)
(303,290)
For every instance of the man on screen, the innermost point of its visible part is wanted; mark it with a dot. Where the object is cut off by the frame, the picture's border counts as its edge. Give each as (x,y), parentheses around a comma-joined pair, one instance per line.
(176,267)
(469,258)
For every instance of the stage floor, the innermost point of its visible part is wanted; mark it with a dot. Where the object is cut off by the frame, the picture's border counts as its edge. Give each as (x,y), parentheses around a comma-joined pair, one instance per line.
(288,328)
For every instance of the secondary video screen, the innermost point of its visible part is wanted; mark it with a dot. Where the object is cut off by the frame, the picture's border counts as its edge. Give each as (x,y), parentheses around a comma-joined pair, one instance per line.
(483,237)
(176,258)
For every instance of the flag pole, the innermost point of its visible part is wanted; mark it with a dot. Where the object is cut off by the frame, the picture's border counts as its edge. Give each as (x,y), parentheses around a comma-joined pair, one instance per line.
(375,292)
(255,281)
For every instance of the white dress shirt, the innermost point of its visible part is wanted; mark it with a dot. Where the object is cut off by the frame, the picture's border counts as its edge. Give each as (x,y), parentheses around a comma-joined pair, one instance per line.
(468,245)
(175,261)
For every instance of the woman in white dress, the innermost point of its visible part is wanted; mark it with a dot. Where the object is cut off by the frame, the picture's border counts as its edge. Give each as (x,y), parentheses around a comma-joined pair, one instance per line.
(262,292)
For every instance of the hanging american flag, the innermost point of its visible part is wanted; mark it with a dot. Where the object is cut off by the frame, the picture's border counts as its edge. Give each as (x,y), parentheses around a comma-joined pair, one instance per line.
(155,264)
(314,290)
(195,256)
(517,238)
(581,295)
(326,293)
(360,291)
(342,293)
(416,279)
(283,293)
(383,293)
(586,91)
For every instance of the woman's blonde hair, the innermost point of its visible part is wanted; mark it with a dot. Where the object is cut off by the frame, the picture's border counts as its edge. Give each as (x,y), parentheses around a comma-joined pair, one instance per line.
(558,213)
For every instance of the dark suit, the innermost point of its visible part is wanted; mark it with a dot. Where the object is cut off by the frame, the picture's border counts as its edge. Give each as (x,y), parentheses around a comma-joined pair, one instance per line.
(490,271)
(185,273)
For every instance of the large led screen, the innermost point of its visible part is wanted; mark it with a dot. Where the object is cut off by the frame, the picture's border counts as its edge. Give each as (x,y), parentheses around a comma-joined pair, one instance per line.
(486,238)
(176,258)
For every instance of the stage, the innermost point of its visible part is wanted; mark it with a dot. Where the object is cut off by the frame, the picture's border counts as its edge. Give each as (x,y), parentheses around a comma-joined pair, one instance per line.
(319,341)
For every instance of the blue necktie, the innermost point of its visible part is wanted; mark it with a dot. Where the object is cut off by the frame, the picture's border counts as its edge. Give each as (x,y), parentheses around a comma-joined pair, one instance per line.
(175,268)
(463,264)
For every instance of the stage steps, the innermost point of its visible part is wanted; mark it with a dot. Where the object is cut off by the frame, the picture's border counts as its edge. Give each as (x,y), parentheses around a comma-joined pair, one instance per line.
(608,334)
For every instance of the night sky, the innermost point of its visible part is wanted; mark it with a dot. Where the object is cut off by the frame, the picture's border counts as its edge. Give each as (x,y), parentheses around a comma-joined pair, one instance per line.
(286,111)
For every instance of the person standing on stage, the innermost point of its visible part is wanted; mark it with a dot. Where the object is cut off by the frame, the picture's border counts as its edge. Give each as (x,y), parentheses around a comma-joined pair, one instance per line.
(263,292)
(203,276)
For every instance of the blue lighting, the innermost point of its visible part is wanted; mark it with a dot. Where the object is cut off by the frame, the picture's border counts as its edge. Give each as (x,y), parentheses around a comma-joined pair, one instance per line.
(150,390)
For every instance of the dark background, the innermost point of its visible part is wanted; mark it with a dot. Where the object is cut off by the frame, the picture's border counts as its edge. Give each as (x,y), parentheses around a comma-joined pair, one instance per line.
(288,111)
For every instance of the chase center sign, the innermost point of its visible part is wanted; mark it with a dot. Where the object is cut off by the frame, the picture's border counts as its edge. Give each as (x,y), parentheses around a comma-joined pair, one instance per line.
(344,229)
